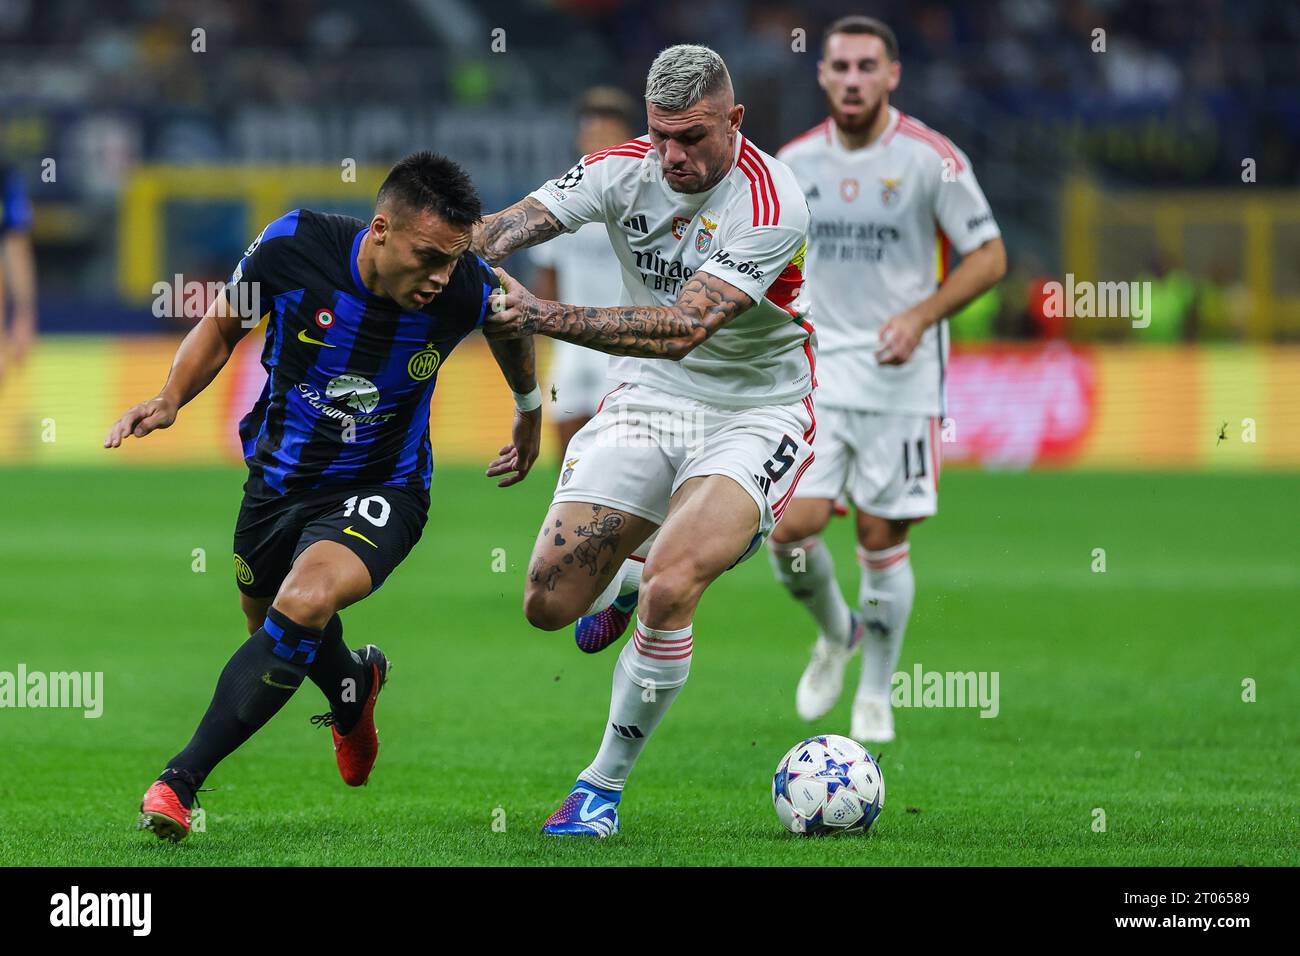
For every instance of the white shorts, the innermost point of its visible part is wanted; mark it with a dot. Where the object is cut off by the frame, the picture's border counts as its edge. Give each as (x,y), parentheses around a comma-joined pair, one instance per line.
(580,376)
(886,463)
(643,444)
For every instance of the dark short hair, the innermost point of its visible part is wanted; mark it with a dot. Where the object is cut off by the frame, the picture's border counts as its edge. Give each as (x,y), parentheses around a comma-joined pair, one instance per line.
(869,25)
(609,102)
(429,181)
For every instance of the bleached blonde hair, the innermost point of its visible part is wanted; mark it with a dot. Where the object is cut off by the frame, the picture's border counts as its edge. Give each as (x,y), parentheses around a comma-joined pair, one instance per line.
(682,75)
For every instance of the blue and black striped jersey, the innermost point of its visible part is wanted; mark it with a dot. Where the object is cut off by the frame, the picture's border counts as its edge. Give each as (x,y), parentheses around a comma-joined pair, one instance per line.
(349,374)
(15,208)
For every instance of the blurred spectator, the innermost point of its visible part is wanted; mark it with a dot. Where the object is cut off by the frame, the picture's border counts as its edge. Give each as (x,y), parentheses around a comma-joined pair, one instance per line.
(1173,294)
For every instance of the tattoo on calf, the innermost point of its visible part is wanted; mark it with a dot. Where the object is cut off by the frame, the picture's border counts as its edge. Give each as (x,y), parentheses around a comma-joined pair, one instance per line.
(595,548)
(544,575)
(599,536)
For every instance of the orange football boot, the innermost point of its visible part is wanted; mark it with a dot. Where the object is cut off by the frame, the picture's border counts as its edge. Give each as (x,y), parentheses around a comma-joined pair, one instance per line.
(162,812)
(356,751)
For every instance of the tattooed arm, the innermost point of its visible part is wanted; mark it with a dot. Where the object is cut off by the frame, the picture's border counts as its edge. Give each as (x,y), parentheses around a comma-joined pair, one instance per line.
(705,305)
(516,227)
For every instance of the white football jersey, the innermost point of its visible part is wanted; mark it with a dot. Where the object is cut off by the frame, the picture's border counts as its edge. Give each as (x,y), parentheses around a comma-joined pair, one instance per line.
(749,230)
(883,219)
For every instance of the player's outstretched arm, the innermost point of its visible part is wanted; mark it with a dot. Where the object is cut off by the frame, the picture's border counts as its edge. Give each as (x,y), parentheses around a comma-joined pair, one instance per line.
(705,305)
(202,354)
(516,227)
(518,362)
(979,270)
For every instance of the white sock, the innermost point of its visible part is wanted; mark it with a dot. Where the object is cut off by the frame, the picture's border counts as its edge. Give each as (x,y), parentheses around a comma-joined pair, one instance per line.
(888,588)
(650,671)
(807,570)
(627,580)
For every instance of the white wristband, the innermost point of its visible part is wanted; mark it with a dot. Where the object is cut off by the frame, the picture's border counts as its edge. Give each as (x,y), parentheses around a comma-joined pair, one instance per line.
(528,401)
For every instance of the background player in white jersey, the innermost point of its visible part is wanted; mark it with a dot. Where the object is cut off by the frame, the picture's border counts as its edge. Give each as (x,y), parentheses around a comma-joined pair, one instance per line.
(710,433)
(888,197)
(581,268)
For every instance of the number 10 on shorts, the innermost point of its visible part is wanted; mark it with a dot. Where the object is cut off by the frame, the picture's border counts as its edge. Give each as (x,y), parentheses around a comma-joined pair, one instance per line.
(365,506)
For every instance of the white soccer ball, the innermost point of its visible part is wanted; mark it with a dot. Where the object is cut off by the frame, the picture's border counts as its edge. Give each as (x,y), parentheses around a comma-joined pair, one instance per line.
(828,784)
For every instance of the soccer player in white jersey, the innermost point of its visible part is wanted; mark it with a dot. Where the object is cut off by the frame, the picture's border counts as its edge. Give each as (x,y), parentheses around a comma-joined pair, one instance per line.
(710,431)
(581,268)
(889,196)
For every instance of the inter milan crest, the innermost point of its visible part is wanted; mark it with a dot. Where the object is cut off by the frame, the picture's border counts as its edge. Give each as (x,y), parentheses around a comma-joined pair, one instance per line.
(889,190)
(849,189)
(424,363)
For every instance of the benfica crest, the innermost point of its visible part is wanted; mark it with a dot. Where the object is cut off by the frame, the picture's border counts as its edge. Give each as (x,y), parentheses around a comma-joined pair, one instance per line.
(889,190)
(704,237)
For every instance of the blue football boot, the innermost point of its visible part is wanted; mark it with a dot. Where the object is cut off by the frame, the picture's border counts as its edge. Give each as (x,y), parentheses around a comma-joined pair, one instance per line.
(586,811)
(596,632)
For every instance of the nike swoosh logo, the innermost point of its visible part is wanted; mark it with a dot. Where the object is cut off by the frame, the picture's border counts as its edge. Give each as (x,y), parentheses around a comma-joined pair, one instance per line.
(266,679)
(358,534)
(304,337)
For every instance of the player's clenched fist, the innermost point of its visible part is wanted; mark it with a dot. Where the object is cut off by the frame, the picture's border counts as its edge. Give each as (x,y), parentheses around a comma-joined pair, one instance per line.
(512,311)
(140,420)
(899,337)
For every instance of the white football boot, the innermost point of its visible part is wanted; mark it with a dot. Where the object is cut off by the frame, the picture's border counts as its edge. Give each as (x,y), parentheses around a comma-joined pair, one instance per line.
(873,718)
(823,678)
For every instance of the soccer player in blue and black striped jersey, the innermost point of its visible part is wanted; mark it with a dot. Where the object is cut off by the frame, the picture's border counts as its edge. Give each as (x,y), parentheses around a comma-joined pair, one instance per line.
(361,317)
(17,271)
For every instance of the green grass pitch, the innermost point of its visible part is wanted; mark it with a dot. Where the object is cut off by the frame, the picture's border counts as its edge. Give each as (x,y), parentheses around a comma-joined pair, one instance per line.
(1119,690)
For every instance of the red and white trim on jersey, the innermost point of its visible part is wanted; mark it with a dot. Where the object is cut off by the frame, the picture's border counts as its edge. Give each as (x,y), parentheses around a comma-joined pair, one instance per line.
(936,455)
(778,509)
(823,128)
(786,287)
(636,148)
(762,191)
(942,254)
(660,648)
(811,431)
(609,393)
(941,144)
(807,348)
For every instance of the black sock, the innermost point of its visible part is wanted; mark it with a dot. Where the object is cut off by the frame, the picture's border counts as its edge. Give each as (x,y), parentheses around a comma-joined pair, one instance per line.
(332,670)
(256,682)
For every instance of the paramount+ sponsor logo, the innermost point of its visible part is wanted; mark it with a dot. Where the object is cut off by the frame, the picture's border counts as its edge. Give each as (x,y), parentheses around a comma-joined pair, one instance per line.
(357,394)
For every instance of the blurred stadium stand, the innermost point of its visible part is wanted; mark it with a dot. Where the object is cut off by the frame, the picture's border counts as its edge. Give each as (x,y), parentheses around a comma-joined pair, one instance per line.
(1111,166)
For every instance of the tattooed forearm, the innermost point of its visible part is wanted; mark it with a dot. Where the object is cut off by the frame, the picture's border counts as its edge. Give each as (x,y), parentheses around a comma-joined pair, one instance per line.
(705,305)
(516,227)
(517,359)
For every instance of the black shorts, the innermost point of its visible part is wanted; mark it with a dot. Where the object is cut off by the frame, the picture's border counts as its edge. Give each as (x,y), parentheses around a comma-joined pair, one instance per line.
(379,523)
